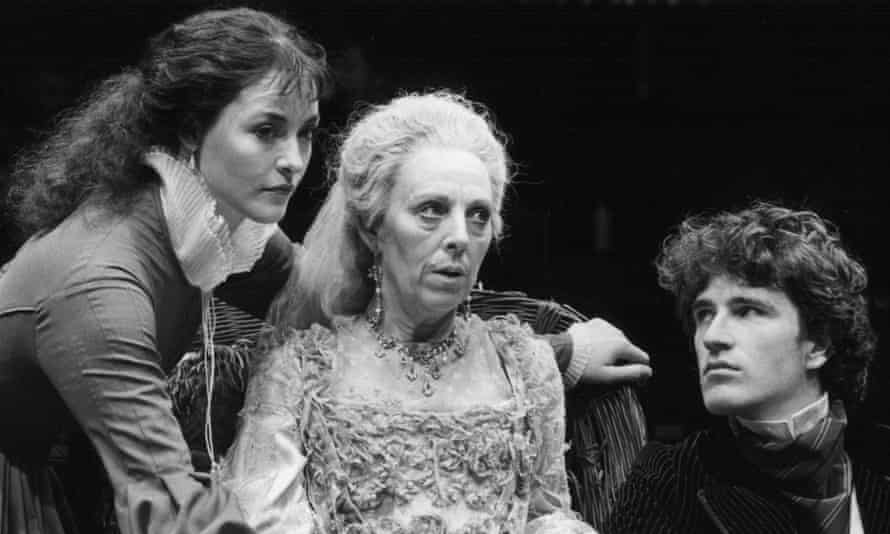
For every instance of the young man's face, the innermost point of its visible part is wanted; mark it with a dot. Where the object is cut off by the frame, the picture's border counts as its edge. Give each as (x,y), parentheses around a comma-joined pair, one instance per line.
(753,360)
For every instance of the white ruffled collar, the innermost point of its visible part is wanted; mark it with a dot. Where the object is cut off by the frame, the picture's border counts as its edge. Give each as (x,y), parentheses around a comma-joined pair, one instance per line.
(207,249)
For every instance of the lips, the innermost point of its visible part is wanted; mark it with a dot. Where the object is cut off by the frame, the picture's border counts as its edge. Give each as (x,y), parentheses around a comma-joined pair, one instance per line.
(451,271)
(285,189)
(719,365)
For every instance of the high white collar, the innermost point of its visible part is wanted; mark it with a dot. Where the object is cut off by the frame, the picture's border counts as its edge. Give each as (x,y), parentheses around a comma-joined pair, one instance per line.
(207,249)
(784,430)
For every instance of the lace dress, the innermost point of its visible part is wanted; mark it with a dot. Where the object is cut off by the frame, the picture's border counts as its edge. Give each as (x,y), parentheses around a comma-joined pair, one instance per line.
(311,457)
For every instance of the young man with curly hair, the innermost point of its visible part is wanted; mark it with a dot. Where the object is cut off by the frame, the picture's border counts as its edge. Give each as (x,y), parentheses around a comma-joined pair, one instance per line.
(776,310)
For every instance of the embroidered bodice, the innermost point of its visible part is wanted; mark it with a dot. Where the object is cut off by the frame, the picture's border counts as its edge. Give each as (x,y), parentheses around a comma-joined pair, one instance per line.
(313,453)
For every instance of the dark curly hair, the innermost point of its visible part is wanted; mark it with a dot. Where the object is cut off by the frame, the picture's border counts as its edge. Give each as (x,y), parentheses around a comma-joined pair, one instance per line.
(188,74)
(797,252)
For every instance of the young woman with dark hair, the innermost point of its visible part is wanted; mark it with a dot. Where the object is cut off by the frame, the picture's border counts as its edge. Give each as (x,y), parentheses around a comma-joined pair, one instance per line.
(166,181)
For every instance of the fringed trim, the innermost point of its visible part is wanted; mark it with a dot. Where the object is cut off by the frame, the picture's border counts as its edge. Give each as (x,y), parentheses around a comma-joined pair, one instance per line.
(188,390)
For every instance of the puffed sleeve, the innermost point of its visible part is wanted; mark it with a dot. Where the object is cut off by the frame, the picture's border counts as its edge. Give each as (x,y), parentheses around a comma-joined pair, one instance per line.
(254,291)
(96,342)
(264,467)
(550,503)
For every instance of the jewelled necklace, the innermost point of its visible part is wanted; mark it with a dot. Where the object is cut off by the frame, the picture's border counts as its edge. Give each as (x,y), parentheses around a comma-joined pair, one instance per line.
(429,357)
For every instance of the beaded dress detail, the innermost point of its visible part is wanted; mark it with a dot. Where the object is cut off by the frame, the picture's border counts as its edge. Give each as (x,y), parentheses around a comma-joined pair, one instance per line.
(310,459)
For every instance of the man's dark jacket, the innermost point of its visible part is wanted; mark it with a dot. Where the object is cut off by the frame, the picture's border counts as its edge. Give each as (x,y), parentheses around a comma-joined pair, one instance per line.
(703,485)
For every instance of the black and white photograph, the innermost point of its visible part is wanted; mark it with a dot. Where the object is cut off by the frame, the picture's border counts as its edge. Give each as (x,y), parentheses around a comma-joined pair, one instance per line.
(444,266)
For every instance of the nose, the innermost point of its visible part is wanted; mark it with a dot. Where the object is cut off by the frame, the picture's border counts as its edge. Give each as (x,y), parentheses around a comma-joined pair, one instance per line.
(457,238)
(291,163)
(716,336)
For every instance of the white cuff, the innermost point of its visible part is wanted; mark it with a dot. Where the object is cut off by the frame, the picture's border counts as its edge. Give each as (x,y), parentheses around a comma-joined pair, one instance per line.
(582,352)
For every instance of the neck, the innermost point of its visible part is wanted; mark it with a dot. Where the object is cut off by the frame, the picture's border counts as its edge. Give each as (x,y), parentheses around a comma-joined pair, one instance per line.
(403,327)
(790,427)
(789,402)
(209,246)
(232,217)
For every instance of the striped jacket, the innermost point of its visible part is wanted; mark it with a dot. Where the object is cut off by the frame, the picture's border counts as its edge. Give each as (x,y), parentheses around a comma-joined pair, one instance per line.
(702,485)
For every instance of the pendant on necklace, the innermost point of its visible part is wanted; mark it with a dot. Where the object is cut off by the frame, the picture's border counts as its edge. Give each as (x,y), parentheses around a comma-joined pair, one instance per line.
(430,357)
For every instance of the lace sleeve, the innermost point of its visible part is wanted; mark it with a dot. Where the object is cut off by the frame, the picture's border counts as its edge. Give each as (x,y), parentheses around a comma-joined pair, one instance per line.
(550,504)
(264,467)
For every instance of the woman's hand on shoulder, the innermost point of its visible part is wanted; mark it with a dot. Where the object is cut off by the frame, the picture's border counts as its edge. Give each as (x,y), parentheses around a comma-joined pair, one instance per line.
(604,355)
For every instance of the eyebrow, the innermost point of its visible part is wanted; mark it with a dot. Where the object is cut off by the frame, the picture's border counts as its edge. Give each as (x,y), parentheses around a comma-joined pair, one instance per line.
(700,303)
(437,195)
(481,202)
(734,301)
(268,114)
(278,115)
(752,301)
(428,195)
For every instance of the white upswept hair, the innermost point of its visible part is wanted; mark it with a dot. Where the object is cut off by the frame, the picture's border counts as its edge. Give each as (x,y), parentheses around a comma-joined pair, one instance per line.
(331,277)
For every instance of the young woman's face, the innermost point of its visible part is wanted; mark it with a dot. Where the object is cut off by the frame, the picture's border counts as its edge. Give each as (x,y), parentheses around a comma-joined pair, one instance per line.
(435,233)
(255,154)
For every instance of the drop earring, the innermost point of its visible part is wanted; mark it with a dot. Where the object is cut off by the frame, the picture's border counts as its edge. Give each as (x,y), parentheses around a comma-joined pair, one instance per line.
(376,316)
(468,302)
(192,161)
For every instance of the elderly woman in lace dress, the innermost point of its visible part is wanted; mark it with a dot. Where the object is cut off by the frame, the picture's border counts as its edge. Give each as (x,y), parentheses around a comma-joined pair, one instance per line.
(389,407)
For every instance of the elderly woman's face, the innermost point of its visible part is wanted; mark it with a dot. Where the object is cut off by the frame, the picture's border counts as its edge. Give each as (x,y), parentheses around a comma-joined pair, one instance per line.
(435,233)
(255,154)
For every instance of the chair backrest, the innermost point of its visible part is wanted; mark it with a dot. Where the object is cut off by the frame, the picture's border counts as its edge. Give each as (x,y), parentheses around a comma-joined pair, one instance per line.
(605,426)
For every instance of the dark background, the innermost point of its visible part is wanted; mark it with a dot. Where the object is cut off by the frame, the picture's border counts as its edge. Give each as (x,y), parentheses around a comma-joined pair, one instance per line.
(623,116)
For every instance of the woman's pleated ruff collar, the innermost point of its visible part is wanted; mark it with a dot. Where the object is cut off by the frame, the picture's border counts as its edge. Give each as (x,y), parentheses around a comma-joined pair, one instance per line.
(207,249)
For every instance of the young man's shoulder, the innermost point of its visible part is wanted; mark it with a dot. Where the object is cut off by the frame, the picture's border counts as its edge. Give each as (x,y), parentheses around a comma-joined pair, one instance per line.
(681,456)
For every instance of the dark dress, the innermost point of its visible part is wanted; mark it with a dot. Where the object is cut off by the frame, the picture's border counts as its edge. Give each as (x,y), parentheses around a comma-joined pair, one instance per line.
(93,315)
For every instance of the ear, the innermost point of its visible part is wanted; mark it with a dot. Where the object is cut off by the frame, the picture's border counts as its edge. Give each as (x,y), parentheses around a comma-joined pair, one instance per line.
(816,356)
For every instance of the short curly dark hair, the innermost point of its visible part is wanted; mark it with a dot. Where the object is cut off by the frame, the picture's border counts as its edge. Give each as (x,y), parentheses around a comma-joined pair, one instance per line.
(798,252)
